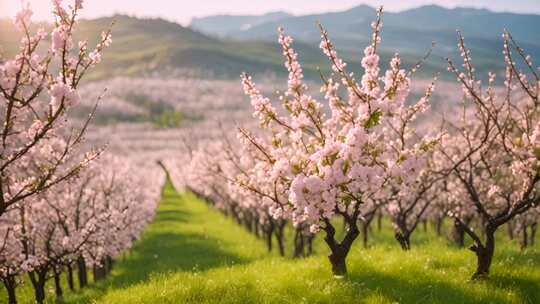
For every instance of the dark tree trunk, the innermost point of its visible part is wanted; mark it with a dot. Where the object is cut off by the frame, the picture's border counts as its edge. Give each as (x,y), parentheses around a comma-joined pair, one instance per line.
(38,279)
(269,235)
(510,230)
(365,233)
(309,239)
(248,222)
(280,237)
(524,237)
(99,271)
(484,254)
(109,264)
(404,240)
(82,273)
(424,224)
(259,230)
(70,280)
(438,225)
(339,251)
(58,286)
(10,284)
(534,227)
(298,242)
(458,234)
(379,221)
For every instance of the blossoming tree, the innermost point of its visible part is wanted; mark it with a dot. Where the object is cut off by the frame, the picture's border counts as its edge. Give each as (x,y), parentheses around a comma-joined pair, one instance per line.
(35,93)
(493,148)
(317,166)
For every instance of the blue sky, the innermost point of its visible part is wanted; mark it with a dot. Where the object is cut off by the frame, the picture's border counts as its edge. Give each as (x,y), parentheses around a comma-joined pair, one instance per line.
(182,11)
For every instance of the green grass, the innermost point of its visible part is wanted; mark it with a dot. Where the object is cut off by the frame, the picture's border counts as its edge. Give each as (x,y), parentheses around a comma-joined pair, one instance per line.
(192,254)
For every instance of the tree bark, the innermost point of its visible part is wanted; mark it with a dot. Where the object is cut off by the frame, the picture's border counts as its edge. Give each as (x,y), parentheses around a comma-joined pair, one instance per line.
(379,221)
(10,284)
(38,279)
(280,236)
(458,234)
(298,242)
(524,237)
(99,271)
(58,286)
(510,230)
(269,235)
(109,264)
(365,234)
(534,227)
(484,254)
(438,225)
(70,280)
(310,238)
(404,240)
(339,251)
(82,273)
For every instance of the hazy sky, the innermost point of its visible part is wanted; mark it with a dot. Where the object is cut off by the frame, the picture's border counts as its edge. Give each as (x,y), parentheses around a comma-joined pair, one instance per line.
(182,11)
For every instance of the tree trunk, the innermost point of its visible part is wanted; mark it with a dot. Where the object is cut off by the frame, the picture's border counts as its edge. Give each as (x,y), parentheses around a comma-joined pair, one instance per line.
(438,225)
(269,235)
(58,286)
(81,272)
(484,254)
(310,238)
(38,279)
(10,284)
(70,280)
(510,230)
(109,263)
(298,242)
(524,237)
(99,271)
(365,233)
(379,221)
(339,251)
(404,239)
(424,224)
(458,234)
(534,227)
(280,236)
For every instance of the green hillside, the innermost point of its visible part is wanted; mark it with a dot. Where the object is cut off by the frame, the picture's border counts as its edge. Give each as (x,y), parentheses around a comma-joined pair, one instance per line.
(192,254)
(142,46)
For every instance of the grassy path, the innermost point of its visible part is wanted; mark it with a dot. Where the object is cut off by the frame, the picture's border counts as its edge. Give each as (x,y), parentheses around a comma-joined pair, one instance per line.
(192,254)
(187,237)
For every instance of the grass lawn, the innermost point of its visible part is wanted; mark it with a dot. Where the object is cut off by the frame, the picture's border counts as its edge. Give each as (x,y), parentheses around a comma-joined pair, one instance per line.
(193,254)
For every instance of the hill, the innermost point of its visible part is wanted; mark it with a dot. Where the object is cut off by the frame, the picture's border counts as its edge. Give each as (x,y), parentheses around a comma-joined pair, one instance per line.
(410,31)
(229,45)
(224,25)
(144,46)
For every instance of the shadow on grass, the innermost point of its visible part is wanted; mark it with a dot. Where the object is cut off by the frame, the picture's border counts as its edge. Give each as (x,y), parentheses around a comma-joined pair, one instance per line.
(528,289)
(164,249)
(419,289)
(171,216)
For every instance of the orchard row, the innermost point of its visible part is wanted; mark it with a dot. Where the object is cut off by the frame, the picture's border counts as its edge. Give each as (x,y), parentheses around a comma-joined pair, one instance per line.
(362,151)
(65,206)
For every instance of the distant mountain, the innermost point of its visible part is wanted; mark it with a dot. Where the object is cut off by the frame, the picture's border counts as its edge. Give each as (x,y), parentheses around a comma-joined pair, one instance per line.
(144,46)
(154,45)
(410,31)
(223,25)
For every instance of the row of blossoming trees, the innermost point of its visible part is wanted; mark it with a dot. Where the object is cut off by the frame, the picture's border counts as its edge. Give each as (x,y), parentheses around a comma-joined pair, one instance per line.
(64,207)
(361,153)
